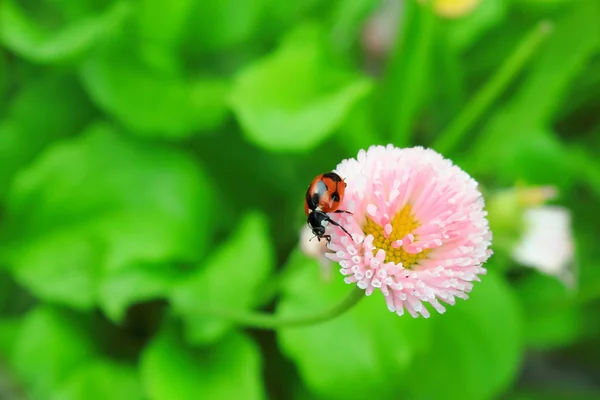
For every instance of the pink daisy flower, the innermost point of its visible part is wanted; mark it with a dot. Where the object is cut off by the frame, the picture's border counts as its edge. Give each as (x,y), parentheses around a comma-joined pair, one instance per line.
(419,231)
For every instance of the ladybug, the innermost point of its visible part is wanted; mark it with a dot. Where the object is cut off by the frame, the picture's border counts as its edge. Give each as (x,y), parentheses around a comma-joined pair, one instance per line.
(324,196)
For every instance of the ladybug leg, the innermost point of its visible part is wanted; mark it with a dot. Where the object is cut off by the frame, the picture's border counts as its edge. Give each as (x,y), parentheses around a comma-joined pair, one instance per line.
(336,224)
(326,237)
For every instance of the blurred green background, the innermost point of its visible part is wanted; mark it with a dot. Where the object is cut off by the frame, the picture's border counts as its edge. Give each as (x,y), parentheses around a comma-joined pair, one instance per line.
(153,161)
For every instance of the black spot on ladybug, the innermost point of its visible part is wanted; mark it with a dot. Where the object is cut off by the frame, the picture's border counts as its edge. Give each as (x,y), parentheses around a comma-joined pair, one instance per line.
(335,196)
(315,199)
(333,176)
(309,201)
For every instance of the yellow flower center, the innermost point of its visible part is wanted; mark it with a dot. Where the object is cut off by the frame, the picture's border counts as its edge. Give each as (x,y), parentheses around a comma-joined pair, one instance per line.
(403,223)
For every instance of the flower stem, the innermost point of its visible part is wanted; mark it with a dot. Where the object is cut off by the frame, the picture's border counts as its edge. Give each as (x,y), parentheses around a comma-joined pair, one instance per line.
(481,102)
(269,321)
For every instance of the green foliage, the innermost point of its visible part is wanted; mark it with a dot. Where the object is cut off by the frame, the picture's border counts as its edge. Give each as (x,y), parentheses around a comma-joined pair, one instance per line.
(22,35)
(48,348)
(122,202)
(162,24)
(295,98)
(221,283)
(150,102)
(405,88)
(153,161)
(215,26)
(469,353)
(520,129)
(379,346)
(137,282)
(32,121)
(551,318)
(100,380)
(228,370)
(464,32)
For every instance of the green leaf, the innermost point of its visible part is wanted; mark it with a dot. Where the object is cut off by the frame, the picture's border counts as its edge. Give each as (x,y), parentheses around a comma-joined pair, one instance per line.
(230,278)
(587,262)
(470,354)
(163,23)
(407,82)
(5,73)
(92,206)
(9,333)
(229,370)
(33,121)
(532,108)
(150,102)
(48,349)
(99,380)
(23,36)
(214,25)
(575,34)
(360,354)
(467,29)
(296,97)
(348,21)
(283,15)
(551,318)
(535,156)
(134,283)
(359,130)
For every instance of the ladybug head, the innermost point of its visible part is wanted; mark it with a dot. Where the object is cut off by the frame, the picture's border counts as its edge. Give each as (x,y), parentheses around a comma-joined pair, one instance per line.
(318,221)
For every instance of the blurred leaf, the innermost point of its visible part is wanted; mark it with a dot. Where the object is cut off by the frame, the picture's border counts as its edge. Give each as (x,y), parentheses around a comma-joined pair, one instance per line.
(4,79)
(214,25)
(229,370)
(42,111)
(575,34)
(153,103)
(358,130)
(296,97)
(482,101)
(9,333)
(163,23)
(92,206)
(134,283)
(231,278)
(23,36)
(541,157)
(348,20)
(506,215)
(406,84)
(537,7)
(551,318)
(48,349)
(360,354)
(587,252)
(464,31)
(553,393)
(100,380)
(587,166)
(57,12)
(281,15)
(510,130)
(476,348)
(534,156)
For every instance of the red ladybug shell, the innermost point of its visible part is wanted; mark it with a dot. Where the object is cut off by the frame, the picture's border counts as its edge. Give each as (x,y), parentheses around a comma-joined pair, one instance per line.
(325,193)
